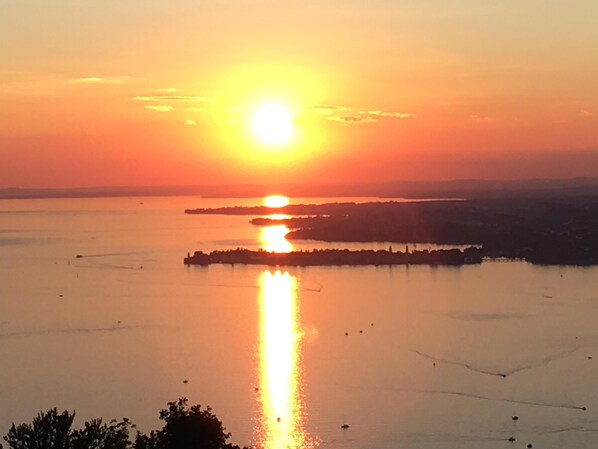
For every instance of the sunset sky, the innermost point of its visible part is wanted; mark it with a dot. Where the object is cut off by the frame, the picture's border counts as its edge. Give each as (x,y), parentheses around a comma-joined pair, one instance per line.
(99,93)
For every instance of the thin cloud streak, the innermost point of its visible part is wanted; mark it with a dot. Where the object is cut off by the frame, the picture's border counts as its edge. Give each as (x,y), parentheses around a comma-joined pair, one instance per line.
(325,108)
(353,119)
(388,114)
(102,80)
(189,98)
(369,117)
(161,108)
(363,116)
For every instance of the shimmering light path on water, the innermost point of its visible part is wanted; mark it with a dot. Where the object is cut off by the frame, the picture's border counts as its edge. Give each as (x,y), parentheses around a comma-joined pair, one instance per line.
(273,239)
(281,404)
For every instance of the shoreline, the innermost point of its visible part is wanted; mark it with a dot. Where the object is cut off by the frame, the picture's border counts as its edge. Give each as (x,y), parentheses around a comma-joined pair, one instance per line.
(337,257)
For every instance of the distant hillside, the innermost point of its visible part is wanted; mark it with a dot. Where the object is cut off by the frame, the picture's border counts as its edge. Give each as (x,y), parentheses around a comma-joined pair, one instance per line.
(398,189)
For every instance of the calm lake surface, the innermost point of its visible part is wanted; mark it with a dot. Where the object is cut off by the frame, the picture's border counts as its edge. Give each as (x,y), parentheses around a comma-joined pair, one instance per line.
(434,357)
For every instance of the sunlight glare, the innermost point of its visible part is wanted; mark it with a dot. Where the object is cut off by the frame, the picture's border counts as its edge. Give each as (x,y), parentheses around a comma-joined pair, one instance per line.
(272,124)
(276,201)
(273,239)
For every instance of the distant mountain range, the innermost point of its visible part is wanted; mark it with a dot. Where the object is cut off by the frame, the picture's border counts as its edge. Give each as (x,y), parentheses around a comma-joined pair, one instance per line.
(464,188)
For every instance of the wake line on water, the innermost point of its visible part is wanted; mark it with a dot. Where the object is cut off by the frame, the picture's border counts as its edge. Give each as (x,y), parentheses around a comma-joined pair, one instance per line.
(100,265)
(543,362)
(82,330)
(566,429)
(455,438)
(96,264)
(133,253)
(471,396)
(569,429)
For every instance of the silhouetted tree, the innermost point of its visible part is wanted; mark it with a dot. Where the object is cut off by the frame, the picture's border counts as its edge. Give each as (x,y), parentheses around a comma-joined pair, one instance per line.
(49,430)
(146,441)
(186,428)
(96,435)
(52,430)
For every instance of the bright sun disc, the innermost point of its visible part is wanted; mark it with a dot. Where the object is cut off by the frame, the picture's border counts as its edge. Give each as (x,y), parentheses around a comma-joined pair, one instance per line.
(276,201)
(272,124)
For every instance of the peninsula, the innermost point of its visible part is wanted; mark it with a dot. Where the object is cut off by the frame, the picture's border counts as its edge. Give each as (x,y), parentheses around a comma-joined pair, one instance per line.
(552,230)
(337,257)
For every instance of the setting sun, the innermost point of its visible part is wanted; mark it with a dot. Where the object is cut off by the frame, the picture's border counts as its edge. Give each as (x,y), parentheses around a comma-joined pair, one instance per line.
(276,201)
(272,124)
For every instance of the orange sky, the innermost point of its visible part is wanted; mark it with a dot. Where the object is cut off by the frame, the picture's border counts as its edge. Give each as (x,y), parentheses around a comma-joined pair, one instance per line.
(147,92)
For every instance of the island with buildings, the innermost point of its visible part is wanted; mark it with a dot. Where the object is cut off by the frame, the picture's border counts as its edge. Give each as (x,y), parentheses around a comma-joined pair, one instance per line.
(321,257)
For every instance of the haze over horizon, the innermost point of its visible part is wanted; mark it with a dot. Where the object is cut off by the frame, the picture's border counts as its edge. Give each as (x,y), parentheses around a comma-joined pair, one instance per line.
(152,93)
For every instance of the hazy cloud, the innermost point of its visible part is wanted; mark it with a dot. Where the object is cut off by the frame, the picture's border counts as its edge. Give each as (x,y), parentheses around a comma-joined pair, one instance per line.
(387,114)
(480,118)
(347,119)
(161,108)
(88,80)
(360,117)
(190,122)
(325,108)
(189,98)
(102,80)
(586,113)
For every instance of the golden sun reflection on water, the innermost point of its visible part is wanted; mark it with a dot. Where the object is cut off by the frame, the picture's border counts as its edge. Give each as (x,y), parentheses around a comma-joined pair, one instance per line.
(282,411)
(273,239)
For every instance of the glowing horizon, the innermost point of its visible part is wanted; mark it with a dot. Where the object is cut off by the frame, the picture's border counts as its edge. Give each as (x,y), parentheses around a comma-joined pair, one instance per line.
(412,93)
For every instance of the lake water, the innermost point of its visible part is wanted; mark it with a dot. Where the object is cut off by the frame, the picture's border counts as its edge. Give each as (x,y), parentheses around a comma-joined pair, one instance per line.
(435,357)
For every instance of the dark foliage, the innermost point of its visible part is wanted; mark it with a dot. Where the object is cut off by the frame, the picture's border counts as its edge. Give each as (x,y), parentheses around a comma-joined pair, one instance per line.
(97,435)
(187,428)
(49,430)
(184,428)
